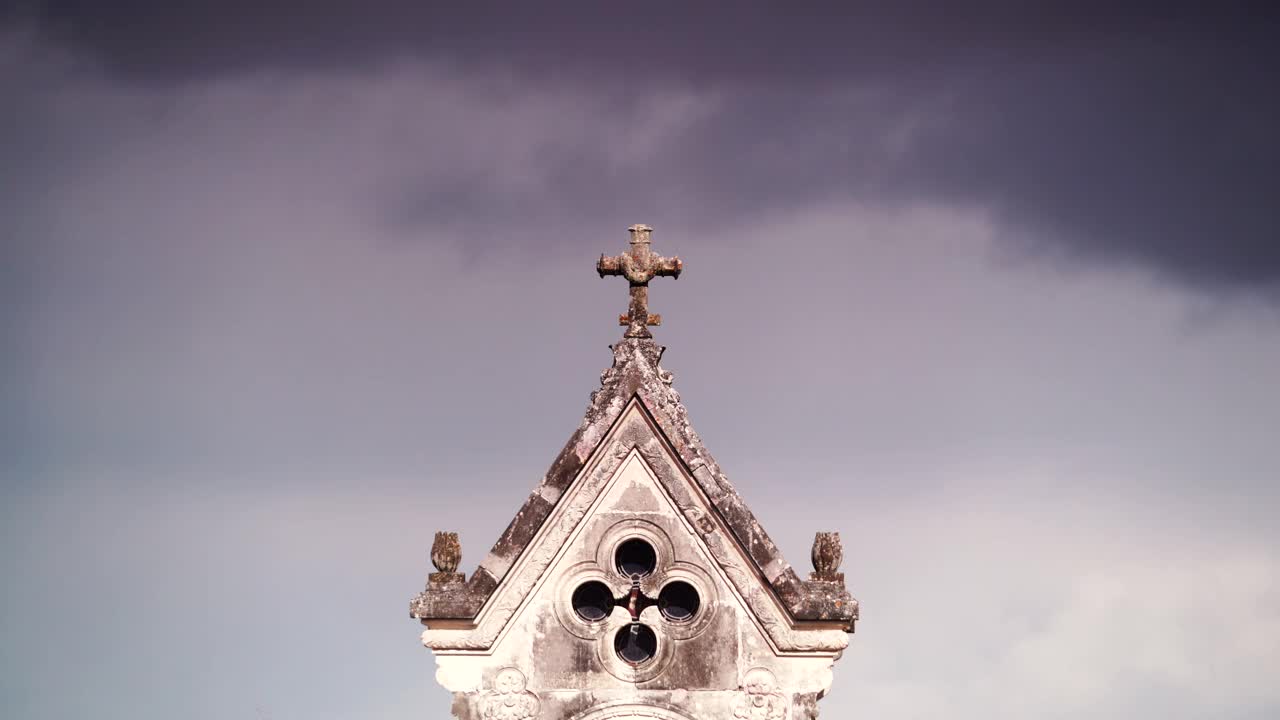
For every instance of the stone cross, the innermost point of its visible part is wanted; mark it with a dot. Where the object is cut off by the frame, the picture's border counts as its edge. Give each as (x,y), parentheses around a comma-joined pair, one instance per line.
(639,265)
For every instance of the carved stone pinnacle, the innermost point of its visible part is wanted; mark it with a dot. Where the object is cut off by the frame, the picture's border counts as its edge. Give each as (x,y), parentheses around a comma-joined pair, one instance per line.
(446,553)
(828,553)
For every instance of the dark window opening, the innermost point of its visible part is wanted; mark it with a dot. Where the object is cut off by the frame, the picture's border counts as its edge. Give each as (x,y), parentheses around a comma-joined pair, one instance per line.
(636,558)
(678,601)
(593,601)
(636,643)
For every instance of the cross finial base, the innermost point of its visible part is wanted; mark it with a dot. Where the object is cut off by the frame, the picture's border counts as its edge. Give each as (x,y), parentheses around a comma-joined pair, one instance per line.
(639,329)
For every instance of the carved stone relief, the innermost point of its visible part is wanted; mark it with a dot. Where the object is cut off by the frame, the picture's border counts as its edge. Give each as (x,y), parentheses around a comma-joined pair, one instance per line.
(759,699)
(509,700)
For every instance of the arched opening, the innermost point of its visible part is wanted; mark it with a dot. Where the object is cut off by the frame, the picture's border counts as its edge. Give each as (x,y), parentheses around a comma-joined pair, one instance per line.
(635,558)
(679,601)
(636,644)
(593,601)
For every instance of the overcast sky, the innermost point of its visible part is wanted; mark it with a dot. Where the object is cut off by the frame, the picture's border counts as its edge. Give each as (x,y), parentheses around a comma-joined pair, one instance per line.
(285,288)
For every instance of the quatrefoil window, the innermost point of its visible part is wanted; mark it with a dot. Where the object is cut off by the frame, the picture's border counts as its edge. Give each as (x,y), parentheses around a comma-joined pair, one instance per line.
(636,643)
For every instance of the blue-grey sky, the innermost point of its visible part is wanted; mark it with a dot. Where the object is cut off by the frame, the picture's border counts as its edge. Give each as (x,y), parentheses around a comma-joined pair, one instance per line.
(286,288)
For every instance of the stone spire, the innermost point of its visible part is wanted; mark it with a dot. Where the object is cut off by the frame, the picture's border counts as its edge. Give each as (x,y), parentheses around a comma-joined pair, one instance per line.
(639,265)
(634,581)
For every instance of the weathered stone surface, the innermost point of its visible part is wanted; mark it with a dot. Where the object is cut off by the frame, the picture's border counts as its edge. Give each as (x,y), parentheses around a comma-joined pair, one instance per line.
(634,582)
(509,700)
(827,555)
(446,552)
(570,663)
(636,373)
(639,265)
(759,698)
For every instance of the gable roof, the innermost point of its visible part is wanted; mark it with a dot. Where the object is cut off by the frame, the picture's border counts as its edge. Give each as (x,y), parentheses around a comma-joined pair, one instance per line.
(636,375)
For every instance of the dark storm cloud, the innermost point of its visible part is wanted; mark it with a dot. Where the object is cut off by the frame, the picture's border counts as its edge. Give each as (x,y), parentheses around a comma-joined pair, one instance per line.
(1133,134)
(253,352)
(750,40)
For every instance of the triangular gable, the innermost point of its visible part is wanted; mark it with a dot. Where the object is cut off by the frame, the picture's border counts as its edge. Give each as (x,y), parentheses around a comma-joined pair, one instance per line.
(637,409)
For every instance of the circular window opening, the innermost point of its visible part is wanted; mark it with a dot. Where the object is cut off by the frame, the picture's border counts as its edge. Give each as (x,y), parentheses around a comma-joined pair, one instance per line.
(679,601)
(593,601)
(636,558)
(636,644)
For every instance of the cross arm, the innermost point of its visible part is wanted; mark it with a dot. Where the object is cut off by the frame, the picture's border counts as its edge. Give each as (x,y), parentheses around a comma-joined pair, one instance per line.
(609,266)
(667,267)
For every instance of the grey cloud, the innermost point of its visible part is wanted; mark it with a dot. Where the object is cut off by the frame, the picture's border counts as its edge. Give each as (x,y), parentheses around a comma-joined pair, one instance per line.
(752,42)
(1136,134)
(247,386)
(208,257)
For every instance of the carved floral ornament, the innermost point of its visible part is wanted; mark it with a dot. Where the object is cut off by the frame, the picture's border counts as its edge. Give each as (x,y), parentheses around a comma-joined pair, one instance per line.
(509,700)
(446,552)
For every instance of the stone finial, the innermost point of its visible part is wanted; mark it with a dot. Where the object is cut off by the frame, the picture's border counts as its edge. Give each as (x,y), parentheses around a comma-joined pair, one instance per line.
(446,553)
(639,265)
(828,553)
(639,233)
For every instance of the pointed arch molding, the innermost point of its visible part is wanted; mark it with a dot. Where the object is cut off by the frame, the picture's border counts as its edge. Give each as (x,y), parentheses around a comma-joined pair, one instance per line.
(637,411)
